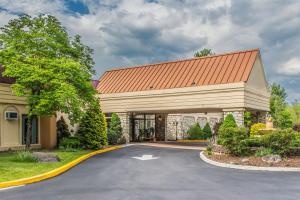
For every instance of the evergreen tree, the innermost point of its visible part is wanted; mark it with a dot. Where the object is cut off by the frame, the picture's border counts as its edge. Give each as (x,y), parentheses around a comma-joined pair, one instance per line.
(62,130)
(229,122)
(92,131)
(207,131)
(195,132)
(115,134)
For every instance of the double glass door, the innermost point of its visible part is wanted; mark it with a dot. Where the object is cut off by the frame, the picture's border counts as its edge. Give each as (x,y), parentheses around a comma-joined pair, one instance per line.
(143,127)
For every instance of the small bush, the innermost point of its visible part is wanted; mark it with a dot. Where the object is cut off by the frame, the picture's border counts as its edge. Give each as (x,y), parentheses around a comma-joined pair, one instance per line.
(296,142)
(254,130)
(280,141)
(195,132)
(247,119)
(253,142)
(229,122)
(234,140)
(25,156)
(209,150)
(114,134)
(263,152)
(207,131)
(296,127)
(70,143)
(62,129)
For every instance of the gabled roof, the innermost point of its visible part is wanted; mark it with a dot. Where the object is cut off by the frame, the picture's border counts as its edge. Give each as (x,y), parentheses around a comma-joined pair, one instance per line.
(216,69)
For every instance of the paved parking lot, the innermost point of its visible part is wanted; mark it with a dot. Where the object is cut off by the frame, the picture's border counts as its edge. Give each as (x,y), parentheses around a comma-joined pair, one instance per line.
(158,173)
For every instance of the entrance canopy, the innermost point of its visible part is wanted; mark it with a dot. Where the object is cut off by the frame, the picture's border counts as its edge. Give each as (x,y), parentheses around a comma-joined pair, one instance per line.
(213,83)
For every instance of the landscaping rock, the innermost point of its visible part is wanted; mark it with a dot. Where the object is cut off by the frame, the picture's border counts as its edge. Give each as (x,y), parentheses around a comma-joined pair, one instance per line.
(46,157)
(245,160)
(271,158)
(219,149)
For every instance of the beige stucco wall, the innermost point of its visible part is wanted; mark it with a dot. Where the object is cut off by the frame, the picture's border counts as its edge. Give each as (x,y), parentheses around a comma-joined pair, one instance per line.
(11,130)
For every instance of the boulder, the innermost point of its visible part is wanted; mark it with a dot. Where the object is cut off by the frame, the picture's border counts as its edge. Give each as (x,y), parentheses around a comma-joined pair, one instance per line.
(271,159)
(46,157)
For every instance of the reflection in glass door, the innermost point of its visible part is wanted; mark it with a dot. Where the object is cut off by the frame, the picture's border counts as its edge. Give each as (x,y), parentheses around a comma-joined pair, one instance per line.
(143,127)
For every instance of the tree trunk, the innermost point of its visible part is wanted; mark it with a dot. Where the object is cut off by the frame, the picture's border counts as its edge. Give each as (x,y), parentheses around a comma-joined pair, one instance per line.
(29,132)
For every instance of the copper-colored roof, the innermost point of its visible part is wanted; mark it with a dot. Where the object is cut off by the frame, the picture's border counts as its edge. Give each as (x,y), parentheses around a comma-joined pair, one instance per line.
(217,69)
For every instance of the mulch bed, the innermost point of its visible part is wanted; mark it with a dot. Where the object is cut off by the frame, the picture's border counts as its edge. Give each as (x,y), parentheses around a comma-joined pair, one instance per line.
(255,161)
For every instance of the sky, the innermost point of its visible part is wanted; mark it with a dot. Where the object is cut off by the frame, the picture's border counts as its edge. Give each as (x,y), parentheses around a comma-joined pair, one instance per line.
(133,32)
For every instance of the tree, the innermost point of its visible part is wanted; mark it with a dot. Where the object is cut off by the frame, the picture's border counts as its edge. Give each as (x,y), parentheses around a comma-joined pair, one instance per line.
(115,134)
(229,122)
(62,130)
(92,131)
(204,52)
(247,119)
(207,131)
(278,107)
(51,70)
(195,132)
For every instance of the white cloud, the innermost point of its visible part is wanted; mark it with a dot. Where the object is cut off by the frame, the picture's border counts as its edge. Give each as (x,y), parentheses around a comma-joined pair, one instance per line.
(291,67)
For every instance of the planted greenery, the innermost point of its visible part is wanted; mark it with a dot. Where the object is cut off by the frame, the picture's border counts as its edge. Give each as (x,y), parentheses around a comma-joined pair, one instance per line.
(263,152)
(207,133)
(255,129)
(62,130)
(92,132)
(24,156)
(195,132)
(114,134)
(229,122)
(70,143)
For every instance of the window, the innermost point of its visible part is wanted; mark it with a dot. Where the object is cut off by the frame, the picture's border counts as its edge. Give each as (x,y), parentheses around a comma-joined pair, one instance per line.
(34,136)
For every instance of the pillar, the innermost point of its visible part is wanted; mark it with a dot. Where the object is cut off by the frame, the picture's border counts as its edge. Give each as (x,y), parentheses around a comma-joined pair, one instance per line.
(125,122)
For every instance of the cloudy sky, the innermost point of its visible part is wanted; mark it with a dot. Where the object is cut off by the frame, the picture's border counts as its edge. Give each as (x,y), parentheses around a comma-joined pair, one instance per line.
(132,32)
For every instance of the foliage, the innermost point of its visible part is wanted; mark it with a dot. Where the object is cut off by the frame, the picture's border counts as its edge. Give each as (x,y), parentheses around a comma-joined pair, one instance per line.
(254,130)
(247,119)
(92,131)
(70,143)
(296,142)
(52,70)
(234,140)
(278,107)
(263,152)
(114,134)
(207,133)
(284,120)
(25,156)
(195,132)
(209,150)
(294,109)
(217,127)
(296,127)
(62,129)
(253,142)
(204,52)
(280,141)
(229,122)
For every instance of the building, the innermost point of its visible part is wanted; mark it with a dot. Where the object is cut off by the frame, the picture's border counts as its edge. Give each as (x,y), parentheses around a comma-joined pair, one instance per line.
(162,100)
(13,121)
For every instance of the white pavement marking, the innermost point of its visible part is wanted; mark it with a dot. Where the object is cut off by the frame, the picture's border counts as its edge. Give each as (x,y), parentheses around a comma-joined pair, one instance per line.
(13,187)
(146,157)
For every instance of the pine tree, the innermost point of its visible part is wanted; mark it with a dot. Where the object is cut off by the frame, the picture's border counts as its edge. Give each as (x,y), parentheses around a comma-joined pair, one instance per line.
(229,122)
(115,134)
(92,131)
(62,129)
(207,131)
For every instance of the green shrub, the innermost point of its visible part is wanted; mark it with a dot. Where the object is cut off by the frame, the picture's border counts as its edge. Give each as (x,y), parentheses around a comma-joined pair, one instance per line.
(70,143)
(207,131)
(92,132)
(284,120)
(296,142)
(25,156)
(253,142)
(114,134)
(263,152)
(280,141)
(209,150)
(229,122)
(62,129)
(195,132)
(234,140)
(254,130)
(247,119)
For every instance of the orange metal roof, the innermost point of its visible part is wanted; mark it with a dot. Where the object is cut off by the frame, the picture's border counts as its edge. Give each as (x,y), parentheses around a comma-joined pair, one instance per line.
(216,69)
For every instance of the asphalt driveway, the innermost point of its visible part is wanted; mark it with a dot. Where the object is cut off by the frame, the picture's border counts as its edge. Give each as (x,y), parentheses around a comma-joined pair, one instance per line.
(176,174)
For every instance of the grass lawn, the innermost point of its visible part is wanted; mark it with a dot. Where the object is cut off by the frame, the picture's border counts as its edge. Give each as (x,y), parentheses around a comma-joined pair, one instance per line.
(11,170)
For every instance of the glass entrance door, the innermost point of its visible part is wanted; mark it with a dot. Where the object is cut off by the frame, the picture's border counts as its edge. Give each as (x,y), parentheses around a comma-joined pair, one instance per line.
(143,127)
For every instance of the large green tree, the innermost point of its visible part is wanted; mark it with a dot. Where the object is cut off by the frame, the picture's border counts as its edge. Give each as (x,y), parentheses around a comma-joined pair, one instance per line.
(52,70)
(278,107)
(204,52)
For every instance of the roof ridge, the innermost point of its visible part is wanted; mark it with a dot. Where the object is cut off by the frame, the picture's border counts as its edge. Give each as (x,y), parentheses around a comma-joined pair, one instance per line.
(180,60)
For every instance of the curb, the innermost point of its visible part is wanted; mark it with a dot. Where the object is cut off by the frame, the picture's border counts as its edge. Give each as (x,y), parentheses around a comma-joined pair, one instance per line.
(247,167)
(57,171)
